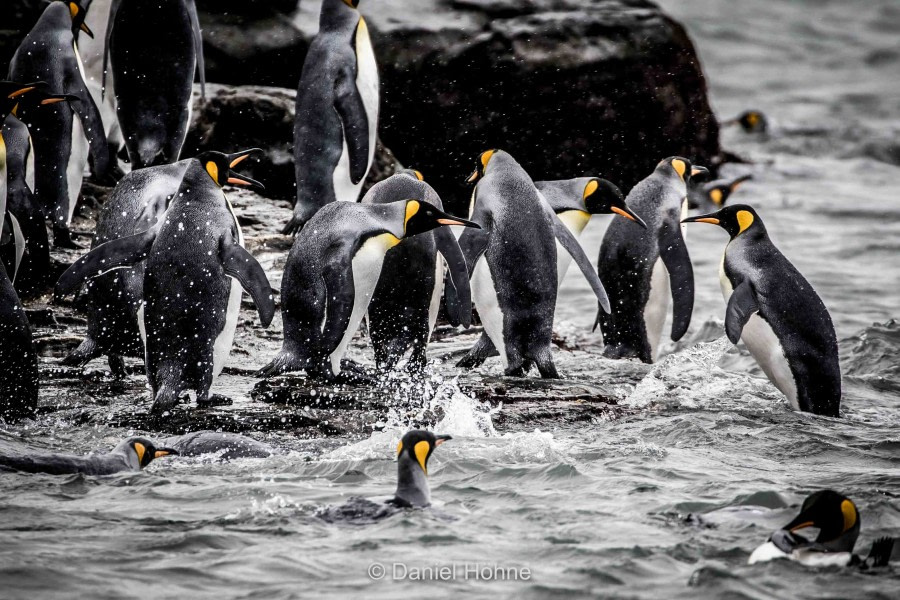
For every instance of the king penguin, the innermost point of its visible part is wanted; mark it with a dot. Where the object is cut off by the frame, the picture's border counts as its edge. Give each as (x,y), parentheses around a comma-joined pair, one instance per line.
(112,300)
(512,260)
(154,49)
(336,120)
(713,195)
(777,314)
(642,265)
(132,454)
(195,267)
(49,53)
(404,306)
(331,274)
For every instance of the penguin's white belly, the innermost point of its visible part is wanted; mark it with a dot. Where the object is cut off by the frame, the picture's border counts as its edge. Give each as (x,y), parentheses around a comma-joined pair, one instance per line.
(770,551)
(435,304)
(222,345)
(575,221)
(19,238)
(3,186)
(367,81)
(366,266)
(29,165)
(77,162)
(657,306)
(484,294)
(764,346)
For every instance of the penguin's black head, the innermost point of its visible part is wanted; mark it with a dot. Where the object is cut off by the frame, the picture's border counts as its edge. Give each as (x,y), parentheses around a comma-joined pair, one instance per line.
(418,445)
(422,216)
(833,514)
(145,450)
(20,99)
(412,173)
(483,159)
(751,121)
(220,165)
(602,197)
(735,219)
(78,13)
(682,167)
(718,193)
(351,3)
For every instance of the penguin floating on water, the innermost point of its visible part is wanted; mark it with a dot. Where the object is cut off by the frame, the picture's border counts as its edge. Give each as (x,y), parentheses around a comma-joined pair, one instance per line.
(336,120)
(713,195)
(331,273)
(195,267)
(751,121)
(405,303)
(777,314)
(132,454)
(646,267)
(838,521)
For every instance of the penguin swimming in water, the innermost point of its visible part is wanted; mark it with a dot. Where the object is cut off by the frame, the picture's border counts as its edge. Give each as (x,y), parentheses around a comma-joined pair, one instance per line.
(61,142)
(132,454)
(777,313)
(713,195)
(751,121)
(224,444)
(112,300)
(413,452)
(574,201)
(641,266)
(838,521)
(154,49)
(195,267)
(513,265)
(336,120)
(331,274)
(404,306)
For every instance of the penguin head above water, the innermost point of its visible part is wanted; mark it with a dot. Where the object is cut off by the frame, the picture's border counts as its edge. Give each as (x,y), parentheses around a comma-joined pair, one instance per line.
(421,217)
(603,197)
(140,452)
(682,168)
(751,121)
(20,98)
(717,192)
(413,453)
(735,219)
(219,167)
(78,13)
(833,514)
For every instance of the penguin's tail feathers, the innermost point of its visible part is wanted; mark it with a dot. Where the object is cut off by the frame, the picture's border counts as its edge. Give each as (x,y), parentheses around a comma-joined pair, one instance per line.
(151,154)
(79,357)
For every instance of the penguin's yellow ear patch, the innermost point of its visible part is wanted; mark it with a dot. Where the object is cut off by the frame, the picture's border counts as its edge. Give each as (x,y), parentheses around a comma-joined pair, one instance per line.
(422,449)
(486,158)
(399,447)
(590,188)
(213,170)
(744,219)
(419,175)
(73,9)
(412,207)
(679,167)
(141,450)
(716,196)
(753,119)
(15,110)
(849,512)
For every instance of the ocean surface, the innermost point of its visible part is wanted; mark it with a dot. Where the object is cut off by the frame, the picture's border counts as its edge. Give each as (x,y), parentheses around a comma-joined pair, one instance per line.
(666,502)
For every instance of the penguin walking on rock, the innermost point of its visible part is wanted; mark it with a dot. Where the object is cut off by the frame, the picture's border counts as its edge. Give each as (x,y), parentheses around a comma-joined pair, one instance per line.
(332,272)
(61,141)
(336,120)
(404,306)
(644,268)
(132,454)
(154,49)
(513,264)
(574,201)
(195,267)
(774,310)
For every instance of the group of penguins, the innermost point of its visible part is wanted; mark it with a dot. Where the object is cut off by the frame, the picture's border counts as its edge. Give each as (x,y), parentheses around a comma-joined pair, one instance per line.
(163,278)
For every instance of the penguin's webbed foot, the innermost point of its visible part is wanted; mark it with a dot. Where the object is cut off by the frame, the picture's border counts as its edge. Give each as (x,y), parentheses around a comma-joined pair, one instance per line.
(62,238)
(117,366)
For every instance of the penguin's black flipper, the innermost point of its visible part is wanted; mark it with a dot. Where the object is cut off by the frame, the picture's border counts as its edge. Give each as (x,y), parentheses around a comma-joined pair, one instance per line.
(241,265)
(340,294)
(111,255)
(473,243)
(459,303)
(18,239)
(349,105)
(571,245)
(675,257)
(198,45)
(880,554)
(741,305)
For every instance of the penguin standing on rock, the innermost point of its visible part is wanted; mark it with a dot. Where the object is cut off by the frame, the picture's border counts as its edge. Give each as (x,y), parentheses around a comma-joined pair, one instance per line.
(777,314)
(405,303)
(331,274)
(642,265)
(513,264)
(195,267)
(154,48)
(336,120)
(61,142)
(132,454)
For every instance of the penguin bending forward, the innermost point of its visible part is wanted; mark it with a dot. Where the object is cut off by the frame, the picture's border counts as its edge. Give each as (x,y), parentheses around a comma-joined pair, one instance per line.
(642,265)
(574,201)
(404,306)
(331,274)
(777,313)
(132,454)
(49,53)
(336,119)
(512,261)
(195,267)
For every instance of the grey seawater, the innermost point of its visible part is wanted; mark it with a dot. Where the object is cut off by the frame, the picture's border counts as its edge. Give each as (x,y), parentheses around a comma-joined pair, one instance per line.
(668,502)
